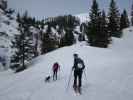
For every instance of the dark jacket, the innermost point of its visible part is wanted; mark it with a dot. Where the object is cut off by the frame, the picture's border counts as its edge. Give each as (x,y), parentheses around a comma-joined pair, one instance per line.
(78,61)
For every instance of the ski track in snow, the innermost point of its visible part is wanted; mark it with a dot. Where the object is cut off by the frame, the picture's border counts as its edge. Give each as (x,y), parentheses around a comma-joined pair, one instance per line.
(109,74)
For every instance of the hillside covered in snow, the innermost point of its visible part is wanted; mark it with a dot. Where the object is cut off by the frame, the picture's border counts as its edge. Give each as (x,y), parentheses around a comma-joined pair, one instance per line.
(8,28)
(109,74)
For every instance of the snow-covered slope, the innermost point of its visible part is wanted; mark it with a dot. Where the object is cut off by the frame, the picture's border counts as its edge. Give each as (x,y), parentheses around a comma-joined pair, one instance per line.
(83,17)
(109,74)
(8,27)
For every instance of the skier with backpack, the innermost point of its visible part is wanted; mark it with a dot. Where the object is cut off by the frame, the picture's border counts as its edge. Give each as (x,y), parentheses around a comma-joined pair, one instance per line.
(56,67)
(78,71)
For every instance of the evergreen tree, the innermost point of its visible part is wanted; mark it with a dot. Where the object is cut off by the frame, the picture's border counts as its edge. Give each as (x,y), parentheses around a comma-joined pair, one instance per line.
(83,31)
(36,40)
(18,18)
(70,22)
(68,38)
(124,21)
(114,20)
(17,59)
(132,15)
(93,25)
(104,37)
(49,41)
(23,45)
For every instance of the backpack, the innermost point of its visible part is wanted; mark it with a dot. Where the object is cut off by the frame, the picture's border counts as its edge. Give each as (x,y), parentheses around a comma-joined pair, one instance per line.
(55,66)
(80,64)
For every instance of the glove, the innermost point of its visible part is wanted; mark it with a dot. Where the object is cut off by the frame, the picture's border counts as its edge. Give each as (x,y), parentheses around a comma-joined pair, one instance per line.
(82,69)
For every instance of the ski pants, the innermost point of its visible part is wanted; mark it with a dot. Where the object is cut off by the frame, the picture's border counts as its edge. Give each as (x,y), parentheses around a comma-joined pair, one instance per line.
(78,76)
(55,75)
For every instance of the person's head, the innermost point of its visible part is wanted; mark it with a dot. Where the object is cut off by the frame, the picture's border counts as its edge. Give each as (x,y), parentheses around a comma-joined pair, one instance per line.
(56,62)
(75,55)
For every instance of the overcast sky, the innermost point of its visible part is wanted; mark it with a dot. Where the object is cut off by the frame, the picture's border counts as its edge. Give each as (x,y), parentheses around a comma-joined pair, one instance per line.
(47,8)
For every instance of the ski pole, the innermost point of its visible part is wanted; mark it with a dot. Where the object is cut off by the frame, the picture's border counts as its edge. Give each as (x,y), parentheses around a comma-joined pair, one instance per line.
(69,80)
(85,75)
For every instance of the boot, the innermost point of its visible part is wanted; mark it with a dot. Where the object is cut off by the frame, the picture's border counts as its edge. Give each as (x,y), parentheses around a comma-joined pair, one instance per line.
(79,89)
(75,88)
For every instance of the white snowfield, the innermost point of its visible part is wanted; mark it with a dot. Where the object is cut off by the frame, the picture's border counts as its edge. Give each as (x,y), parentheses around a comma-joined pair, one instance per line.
(109,74)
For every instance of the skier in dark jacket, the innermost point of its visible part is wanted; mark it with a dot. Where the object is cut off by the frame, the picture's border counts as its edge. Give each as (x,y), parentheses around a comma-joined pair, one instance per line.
(78,70)
(56,67)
